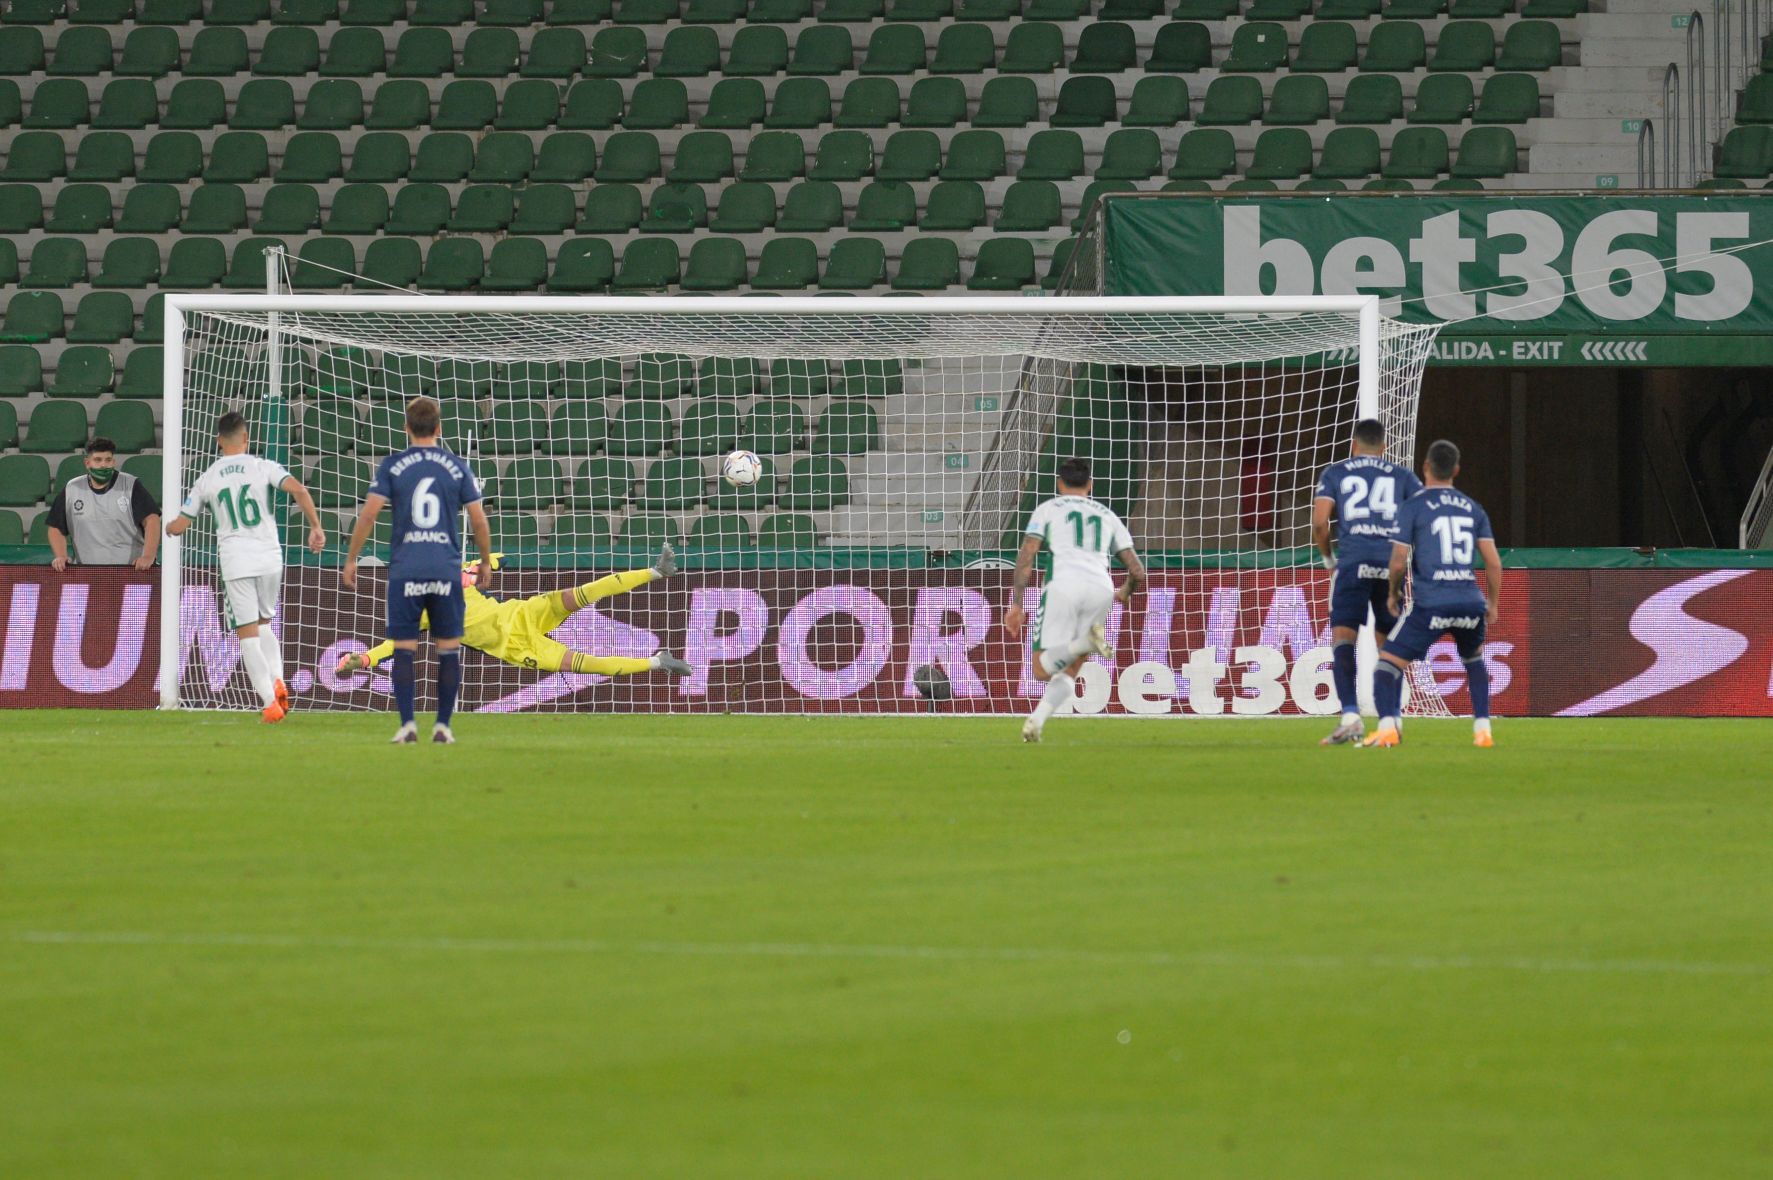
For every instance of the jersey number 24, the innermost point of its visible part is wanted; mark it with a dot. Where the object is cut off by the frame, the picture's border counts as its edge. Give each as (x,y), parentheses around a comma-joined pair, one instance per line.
(1361,499)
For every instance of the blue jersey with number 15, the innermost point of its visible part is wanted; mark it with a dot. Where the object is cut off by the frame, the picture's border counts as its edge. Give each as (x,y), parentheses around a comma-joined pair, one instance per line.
(1442,526)
(1367,490)
(427,487)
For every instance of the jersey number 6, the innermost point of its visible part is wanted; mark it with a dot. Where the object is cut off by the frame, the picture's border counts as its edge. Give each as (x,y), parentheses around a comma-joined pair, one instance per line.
(426,508)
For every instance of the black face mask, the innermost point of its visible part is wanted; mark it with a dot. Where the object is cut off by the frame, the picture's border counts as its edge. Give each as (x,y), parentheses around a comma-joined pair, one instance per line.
(101,476)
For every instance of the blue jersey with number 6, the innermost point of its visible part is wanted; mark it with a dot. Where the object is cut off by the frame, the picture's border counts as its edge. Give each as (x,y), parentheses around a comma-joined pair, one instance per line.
(427,487)
(1442,526)
(1367,490)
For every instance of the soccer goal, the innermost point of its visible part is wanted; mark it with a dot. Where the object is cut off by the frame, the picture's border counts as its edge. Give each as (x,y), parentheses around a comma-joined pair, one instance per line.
(904,442)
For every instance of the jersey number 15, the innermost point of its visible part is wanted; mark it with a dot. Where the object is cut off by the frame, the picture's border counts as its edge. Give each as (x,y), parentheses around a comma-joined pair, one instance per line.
(1455,533)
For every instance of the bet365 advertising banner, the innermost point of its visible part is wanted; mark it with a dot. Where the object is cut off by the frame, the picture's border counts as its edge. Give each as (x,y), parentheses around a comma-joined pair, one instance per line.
(1598,642)
(1518,280)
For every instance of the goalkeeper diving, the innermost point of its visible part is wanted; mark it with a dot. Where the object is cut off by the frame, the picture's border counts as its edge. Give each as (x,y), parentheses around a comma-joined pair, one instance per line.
(516,630)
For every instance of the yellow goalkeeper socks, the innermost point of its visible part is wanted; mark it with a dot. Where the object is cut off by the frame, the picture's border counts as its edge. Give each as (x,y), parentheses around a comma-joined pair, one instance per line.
(610,665)
(582,596)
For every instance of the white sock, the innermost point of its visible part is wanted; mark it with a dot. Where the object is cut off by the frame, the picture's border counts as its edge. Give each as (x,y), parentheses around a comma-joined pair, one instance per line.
(252,654)
(273,652)
(1059,690)
(1056,659)
(1351,718)
(1386,723)
(1480,725)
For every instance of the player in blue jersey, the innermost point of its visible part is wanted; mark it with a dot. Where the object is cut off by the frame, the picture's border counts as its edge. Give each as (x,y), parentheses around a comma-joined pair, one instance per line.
(428,486)
(1439,531)
(1361,494)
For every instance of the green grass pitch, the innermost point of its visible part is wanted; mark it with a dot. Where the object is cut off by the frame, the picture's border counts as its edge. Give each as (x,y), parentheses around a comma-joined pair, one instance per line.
(744,947)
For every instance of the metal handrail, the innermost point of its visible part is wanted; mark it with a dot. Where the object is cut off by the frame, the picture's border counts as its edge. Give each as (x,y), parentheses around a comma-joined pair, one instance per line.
(1671,123)
(1700,136)
(1646,153)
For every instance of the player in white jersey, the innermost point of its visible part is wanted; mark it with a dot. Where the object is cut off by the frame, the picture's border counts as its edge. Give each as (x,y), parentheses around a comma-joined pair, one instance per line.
(237,491)
(1082,535)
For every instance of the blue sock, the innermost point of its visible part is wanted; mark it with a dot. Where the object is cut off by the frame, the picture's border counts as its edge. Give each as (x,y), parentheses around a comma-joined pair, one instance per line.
(1342,669)
(1388,689)
(404,684)
(449,682)
(1477,677)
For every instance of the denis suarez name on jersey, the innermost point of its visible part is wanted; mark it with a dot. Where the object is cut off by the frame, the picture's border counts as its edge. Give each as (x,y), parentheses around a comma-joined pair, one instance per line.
(425,455)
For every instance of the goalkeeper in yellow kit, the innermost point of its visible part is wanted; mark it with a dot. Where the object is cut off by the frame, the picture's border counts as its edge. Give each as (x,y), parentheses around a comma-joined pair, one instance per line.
(516,630)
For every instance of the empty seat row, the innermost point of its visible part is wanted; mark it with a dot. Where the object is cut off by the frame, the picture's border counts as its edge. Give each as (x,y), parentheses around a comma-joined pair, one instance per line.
(57,427)
(101,317)
(1031,47)
(367,385)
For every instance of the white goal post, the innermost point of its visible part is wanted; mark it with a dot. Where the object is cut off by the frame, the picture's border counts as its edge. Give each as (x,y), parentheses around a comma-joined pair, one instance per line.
(904,440)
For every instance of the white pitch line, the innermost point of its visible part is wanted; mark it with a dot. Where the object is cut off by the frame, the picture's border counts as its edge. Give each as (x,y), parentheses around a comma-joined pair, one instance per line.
(821,950)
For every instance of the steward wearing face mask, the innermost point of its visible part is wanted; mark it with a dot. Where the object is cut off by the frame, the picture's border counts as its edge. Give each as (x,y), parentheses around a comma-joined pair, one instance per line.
(108,514)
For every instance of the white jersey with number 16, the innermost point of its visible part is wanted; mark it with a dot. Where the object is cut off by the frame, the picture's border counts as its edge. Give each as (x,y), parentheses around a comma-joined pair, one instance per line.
(237,491)
(1082,535)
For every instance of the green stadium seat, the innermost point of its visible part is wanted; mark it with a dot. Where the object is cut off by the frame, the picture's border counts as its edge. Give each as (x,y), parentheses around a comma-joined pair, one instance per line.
(1107,47)
(1514,98)
(1417,152)
(746,207)
(221,52)
(954,205)
(1205,153)
(786,264)
(612,209)
(35,156)
(129,262)
(12,529)
(544,209)
(645,12)
(587,264)
(989,10)
(80,209)
(335,104)
(556,53)
(1231,101)
(355,53)
(130,104)
(530,104)
(468,105)
(1004,264)
(869,102)
(788,530)
(110,155)
(21,208)
(781,12)
(1096,190)
(1349,153)
(1464,45)
(672,484)
(715,264)
(1029,206)
(774,156)
(442,157)
(581,530)
(661,376)
(380,157)
(855,264)
(812,206)
(885,205)
(514,428)
(1298,100)
(1530,46)
(641,426)
(853,427)
(221,12)
(80,51)
(491,53)
(1283,153)
(734,104)
(21,370)
(792,378)
(1465,184)
(718,376)
(152,329)
(1053,155)
(515,264)
(195,264)
(1258,47)
(103,317)
(33,315)
(528,485)
(1181,47)
(714,12)
(324,263)
(1486,152)
(618,52)
(822,51)
(1004,102)
(658,104)
(963,49)
(265,104)
(288,51)
(565,157)
(1317,185)
(774,428)
(629,156)
(800,103)
(1158,101)
(246,268)
(843,155)
(84,370)
(399,105)
(1414,9)
(422,52)
(1372,98)
(24,480)
(723,531)
(8,261)
(703,157)
(1395,47)
(312,157)
(60,103)
(676,208)
(55,426)
(979,154)
(419,209)
(577,428)
(576,12)
(56,262)
(1554,9)
(689,52)
(942,102)
(503,157)
(895,49)
(1131,10)
(373,12)
(1130,154)
(928,264)
(239,157)
(306,12)
(650,264)
(358,209)
(128,424)
(816,484)
(1347,10)
(95,12)
(515,534)
(1084,101)
(852,11)
(1033,47)
(642,536)
(1278,10)
(482,209)
(21,53)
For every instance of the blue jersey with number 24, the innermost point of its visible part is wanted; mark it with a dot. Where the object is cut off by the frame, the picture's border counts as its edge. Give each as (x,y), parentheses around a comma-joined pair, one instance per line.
(1442,526)
(1367,490)
(427,487)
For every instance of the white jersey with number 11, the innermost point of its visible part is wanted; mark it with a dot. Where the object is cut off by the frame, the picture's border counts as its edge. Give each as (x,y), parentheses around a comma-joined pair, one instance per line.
(237,491)
(1082,535)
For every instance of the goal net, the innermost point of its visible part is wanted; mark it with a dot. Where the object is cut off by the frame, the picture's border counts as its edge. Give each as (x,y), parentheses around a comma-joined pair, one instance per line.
(904,443)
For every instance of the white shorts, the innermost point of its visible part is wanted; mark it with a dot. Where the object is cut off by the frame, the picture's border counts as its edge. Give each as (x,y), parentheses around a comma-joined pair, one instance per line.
(1068,610)
(251,600)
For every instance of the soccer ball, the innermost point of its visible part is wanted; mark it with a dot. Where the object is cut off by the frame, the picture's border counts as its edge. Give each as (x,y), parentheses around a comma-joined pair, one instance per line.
(741,469)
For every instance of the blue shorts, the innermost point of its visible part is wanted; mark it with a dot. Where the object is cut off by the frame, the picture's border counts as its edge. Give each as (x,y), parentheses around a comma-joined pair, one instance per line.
(440,598)
(1420,625)
(1351,595)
